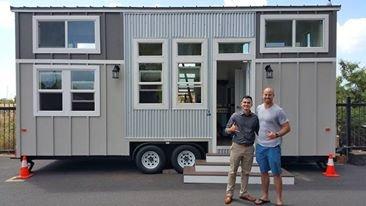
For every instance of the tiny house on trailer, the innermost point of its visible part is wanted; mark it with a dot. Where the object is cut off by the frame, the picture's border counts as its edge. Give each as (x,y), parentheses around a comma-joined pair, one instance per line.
(159,84)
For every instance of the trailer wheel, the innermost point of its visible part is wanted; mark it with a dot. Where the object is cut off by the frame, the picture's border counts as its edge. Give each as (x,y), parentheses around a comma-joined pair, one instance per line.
(150,159)
(184,155)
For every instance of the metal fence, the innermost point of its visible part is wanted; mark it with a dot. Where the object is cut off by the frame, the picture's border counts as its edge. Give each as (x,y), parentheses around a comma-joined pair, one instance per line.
(351,124)
(7,128)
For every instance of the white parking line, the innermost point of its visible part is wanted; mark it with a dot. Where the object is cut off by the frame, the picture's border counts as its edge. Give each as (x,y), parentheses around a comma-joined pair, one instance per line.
(15,179)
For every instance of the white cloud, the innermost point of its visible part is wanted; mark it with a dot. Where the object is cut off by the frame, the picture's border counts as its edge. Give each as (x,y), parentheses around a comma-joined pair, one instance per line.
(352,36)
(114,3)
(245,2)
(6,16)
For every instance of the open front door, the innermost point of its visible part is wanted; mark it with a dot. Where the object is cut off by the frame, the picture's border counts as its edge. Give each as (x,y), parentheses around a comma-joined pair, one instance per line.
(231,87)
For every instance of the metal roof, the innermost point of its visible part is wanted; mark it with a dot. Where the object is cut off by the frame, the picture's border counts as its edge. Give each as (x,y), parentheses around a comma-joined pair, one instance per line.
(191,8)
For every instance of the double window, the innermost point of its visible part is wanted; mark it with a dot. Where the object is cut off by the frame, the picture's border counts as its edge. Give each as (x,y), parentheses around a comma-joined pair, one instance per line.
(294,33)
(66,90)
(150,73)
(66,34)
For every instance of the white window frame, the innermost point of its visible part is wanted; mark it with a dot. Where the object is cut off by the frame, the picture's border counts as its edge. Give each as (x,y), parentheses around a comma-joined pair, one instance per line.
(293,48)
(137,59)
(234,56)
(191,59)
(65,19)
(66,90)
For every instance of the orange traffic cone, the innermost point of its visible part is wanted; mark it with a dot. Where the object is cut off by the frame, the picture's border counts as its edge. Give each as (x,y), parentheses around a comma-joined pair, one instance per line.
(330,172)
(24,171)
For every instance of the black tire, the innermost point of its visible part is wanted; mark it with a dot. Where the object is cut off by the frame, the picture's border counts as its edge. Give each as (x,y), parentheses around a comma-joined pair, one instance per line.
(184,155)
(150,159)
(322,165)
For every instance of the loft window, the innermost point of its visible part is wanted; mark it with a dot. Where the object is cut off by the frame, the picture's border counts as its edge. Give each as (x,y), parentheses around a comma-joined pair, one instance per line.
(278,33)
(294,33)
(66,34)
(309,33)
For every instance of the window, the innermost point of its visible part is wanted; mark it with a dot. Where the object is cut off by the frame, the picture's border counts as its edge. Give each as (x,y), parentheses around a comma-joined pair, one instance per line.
(294,33)
(236,48)
(278,33)
(66,90)
(66,34)
(50,90)
(189,83)
(189,63)
(150,74)
(309,33)
(233,48)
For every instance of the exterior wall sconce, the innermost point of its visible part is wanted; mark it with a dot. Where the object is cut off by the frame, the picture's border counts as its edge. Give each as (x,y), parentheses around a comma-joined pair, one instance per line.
(115,72)
(269,72)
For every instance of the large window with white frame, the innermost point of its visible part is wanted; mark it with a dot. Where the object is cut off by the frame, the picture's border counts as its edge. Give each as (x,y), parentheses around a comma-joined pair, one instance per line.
(150,74)
(294,33)
(66,34)
(66,90)
(189,69)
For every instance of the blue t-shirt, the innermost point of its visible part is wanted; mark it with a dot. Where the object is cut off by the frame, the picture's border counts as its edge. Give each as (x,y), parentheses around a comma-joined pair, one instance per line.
(270,119)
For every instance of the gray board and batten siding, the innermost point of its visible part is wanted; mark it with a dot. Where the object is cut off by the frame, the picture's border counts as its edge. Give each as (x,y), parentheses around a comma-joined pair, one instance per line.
(72,135)
(306,92)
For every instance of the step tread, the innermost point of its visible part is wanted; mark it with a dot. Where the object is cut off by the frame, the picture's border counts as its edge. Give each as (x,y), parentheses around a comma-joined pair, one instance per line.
(192,171)
(204,162)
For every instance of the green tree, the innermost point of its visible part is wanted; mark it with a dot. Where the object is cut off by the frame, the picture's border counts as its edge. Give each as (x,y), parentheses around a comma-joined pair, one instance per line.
(351,83)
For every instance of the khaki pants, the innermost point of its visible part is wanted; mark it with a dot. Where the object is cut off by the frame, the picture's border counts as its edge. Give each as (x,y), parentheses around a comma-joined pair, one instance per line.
(239,155)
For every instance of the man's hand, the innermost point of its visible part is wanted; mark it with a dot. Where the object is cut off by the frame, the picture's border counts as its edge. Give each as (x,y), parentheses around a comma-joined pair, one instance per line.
(233,128)
(271,135)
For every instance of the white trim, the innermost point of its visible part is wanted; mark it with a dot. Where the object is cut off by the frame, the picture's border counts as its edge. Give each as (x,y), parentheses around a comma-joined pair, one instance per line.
(66,90)
(65,19)
(296,60)
(163,59)
(294,17)
(203,72)
(68,61)
(220,57)
(157,10)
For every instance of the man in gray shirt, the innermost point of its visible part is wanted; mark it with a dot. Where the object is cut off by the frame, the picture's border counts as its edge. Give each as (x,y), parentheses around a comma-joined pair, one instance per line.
(273,125)
(243,126)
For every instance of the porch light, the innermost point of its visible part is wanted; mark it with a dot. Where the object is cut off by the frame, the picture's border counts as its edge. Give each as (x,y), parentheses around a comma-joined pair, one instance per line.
(269,72)
(115,72)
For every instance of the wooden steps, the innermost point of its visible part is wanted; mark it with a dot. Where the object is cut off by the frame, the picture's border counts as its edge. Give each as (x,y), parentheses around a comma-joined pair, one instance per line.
(215,170)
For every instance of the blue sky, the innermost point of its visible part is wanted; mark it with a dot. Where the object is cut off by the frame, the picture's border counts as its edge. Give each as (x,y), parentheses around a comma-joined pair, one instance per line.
(351,31)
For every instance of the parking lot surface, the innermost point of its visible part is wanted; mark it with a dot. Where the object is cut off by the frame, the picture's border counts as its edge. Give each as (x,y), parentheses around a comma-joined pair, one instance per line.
(118,182)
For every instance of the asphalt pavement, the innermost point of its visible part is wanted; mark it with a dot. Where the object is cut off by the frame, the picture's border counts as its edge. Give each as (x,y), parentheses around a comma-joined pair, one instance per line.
(118,182)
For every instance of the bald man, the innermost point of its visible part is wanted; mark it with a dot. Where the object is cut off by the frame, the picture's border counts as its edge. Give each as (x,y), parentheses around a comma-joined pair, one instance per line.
(273,125)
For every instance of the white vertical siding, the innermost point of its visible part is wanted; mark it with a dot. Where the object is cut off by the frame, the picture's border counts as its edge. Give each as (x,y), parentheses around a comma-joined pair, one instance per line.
(306,92)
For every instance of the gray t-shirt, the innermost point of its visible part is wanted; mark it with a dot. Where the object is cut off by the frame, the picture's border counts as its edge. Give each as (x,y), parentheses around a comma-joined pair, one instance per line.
(270,119)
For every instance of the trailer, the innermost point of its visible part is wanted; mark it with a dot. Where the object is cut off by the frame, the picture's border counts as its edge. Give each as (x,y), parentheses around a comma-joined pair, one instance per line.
(159,84)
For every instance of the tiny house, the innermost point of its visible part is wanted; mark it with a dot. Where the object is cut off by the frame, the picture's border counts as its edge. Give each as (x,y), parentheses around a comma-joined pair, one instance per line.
(159,84)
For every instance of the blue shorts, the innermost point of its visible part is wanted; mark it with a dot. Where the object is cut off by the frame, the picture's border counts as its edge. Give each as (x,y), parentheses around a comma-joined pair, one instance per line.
(268,158)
